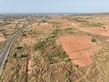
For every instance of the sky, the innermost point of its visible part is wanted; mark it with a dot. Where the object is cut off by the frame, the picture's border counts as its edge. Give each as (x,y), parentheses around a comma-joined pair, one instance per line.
(54,6)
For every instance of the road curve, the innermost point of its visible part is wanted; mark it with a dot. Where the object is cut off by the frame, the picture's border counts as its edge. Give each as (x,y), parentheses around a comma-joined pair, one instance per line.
(6,50)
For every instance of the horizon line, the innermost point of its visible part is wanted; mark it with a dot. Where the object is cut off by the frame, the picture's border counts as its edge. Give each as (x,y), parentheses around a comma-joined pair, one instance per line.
(55,13)
(47,12)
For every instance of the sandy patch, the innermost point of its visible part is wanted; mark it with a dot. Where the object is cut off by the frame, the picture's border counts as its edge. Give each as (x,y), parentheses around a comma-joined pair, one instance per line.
(2,39)
(42,25)
(76,24)
(79,49)
(107,40)
(29,67)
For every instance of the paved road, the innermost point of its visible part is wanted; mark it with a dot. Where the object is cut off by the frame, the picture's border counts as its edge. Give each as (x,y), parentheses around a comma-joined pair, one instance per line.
(6,49)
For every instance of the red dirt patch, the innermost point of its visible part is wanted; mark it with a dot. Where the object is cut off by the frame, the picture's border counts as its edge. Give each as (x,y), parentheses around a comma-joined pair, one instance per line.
(79,49)
(97,30)
(11,25)
(27,40)
(2,39)
(3,31)
(83,57)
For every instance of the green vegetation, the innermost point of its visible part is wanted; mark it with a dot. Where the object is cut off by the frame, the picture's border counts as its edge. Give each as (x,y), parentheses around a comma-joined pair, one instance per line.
(50,57)
(20,55)
(41,44)
(79,20)
(95,24)
(55,23)
(49,43)
(3,24)
(24,34)
(67,73)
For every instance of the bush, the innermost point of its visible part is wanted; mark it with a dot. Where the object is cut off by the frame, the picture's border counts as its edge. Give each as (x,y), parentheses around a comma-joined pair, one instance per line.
(67,60)
(23,34)
(19,55)
(93,40)
(50,60)
(23,56)
(19,47)
(67,73)
(15,55)
(40,45)
(63,54)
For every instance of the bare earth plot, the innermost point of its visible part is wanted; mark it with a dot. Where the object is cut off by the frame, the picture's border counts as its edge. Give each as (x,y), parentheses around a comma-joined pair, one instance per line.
(79,49)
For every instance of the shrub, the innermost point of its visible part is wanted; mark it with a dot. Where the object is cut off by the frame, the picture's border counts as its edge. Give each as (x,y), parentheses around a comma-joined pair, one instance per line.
(15,55)
(23,34)
(19,47)
(93,40)
(50,60)
(40,45)
(67,73)
(63,54)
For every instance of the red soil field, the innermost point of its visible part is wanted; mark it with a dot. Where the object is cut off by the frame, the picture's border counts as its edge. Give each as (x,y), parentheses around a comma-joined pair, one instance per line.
(79,49)
(97,30)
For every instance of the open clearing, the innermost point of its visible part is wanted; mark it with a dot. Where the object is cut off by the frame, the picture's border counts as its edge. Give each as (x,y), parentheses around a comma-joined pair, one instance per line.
(79,49)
